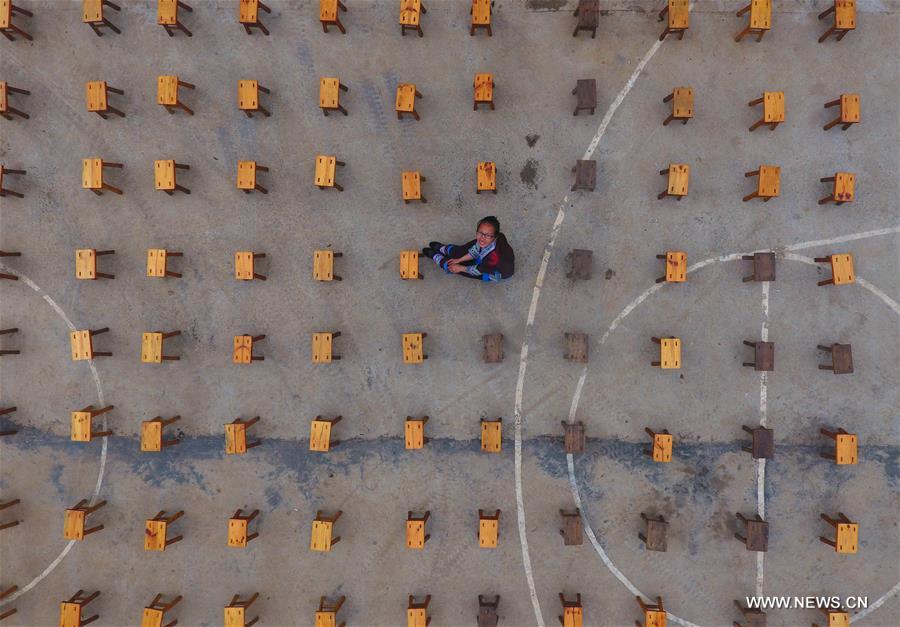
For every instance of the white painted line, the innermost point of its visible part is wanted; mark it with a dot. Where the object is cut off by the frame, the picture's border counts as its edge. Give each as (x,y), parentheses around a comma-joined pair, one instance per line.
(843,238)
(874,606)
(763,421)
(890,302)
(103,451)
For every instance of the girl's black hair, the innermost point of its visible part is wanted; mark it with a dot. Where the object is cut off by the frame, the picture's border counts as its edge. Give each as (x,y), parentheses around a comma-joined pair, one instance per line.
(493,221)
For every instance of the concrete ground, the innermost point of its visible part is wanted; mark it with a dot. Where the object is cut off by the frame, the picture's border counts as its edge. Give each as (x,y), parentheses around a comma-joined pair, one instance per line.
(535,140)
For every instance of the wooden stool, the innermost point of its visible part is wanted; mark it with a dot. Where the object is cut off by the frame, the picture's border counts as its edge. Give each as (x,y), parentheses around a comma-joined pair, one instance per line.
(97,97)
(322,347)
(70,611)
(3,595)
(329,94)
(763,267)
(410,15)
(156,531)
(485,177)
(406,100)
(585,171)
(414,432)
(841,269)
(679,177)
(151,434)
(328,14)
(760,19)
(588,14)
(73,527)
(481,16)
(757,530)
(843,188)
(573,438)
(248,98)
(245,265)
(846,533)
(487,611)
(246,177)
(769,184)
(4,411)
(320,433)
(488,529)
(82,344)
(6,88)
(654,615)
(167,17)
(9,332)
(167,93)
(577,347)
(409,265)
(484,90)
(849,111)
(165,176)
(580,264)
(836,618)
(155,613)
(243,349)
(321,538)
(236,436)
(4,171)
(417,613)
(493,348)
(236,611)
(86,264)
(411,183)
(682,105)
(323,265)
(844,19)
(413,347)
(763,356)
(7,505)
(845,447)
(841,358)
(92,14)
(762,442)
(83,423)
(157,262)
(248,15)
(491,435)
(773,109)
(676,266)
(661,450)
(238,528)
(669,352)
(415,531)
(753,616)
(657,528)
(92,175)
(152,347)
(573,612)
(571,531)
(326,615)
(585,93)
(325,167)
(7,8)
(679,16)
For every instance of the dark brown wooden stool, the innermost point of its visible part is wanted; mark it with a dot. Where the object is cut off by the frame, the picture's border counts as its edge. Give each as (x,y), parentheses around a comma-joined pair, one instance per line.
(70,611)
(4,411)
(7,9)
(763,267)
(5,90)
(657,527)
(844,19)
(581,264)
(764,356)
(236,611)
(585,171)
(588,14)
(762,445)
(248,15)
(574,436)
(757,530)
(9,332)
(92,15)
(571,531)
(12,610)
(3,191)
(155,613)
(11,277)
(573,612)
(577,347)
(76,517)
(585,93)
(6,505)
(754,617)
(487,611)
(841,358)
(493,348)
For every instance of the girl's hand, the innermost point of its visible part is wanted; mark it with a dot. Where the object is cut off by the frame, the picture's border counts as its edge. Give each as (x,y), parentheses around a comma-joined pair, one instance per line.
(456,268)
